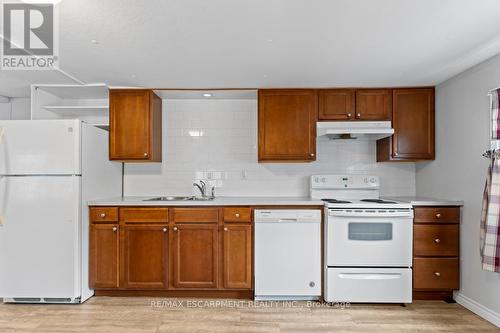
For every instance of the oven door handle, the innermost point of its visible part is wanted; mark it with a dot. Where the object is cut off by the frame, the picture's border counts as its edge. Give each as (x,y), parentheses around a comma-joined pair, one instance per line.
(370,276)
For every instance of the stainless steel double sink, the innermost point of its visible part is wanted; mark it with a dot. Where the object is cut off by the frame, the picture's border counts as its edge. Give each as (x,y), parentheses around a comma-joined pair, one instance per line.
(175,198)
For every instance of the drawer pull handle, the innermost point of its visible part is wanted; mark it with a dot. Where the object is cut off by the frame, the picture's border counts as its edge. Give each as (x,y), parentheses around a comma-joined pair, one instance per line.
(102,215)
(114,229)
(164,229)
(437,274)
(237,215)
(438,215)
(437,241)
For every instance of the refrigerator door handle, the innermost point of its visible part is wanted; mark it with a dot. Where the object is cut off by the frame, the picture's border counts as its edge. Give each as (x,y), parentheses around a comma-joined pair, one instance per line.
(3,201)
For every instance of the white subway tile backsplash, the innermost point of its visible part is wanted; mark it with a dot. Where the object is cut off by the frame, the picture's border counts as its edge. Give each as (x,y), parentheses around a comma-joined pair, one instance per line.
(225,146)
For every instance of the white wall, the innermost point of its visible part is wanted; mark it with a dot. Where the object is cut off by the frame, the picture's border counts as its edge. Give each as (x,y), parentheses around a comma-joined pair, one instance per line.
(462,112)
(229,145)
(16,108)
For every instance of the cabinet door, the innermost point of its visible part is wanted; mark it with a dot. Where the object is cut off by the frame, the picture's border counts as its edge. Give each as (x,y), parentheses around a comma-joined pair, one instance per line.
(145,256)
(195,255)
(373,104)
(104,256)
(287,125)
(237,247)
(135,125)
(413,123)
(336,104)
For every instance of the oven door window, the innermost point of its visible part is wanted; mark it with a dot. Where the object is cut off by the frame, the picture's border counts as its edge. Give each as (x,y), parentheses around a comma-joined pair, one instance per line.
(370,231)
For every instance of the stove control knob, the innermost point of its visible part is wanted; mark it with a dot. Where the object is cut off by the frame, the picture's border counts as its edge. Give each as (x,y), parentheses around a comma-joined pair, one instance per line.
(372,180)
(323,180)
(366,180)
(316,179)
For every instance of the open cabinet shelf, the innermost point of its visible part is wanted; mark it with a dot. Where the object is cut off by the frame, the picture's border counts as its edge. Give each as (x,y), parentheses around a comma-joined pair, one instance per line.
(78,110)
(88,103)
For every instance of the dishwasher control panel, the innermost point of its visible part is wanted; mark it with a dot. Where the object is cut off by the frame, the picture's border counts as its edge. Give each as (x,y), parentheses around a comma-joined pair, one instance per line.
(265,215)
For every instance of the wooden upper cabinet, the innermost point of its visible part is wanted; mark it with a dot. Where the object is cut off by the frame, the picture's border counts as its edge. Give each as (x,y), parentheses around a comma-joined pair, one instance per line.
(135,119)
(336,104)
(104,256)
(287,125)
(195,252)
(413,123)
(373,104)
(145,252)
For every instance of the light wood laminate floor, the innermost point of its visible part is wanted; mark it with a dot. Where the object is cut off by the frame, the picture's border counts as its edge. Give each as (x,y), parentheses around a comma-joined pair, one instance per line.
(107,314)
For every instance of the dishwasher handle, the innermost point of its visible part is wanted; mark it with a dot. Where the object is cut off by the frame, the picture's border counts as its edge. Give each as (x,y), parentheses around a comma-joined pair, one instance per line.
(287,216)
(289,219)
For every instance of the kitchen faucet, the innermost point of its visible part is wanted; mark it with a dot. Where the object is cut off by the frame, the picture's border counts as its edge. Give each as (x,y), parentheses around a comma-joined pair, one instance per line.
(202,187)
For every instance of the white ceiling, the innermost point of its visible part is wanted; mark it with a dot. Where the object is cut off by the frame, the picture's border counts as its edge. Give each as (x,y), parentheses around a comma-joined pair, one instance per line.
(268,43)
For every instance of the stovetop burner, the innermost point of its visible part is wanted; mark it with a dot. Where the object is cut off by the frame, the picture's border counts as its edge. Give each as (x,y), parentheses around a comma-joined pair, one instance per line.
(380,201)
(336,201)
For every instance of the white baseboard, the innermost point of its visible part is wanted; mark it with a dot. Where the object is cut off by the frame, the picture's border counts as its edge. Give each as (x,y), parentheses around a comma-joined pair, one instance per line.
(479,309)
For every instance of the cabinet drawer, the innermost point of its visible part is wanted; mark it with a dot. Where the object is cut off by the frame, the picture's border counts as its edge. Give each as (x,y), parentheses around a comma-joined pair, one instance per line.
(144,215)
(437,214)
(435,273)
(196,215)
(435,240)
(104,214)
(237,214)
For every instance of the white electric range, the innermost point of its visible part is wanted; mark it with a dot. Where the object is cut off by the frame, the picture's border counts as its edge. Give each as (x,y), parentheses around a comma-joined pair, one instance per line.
(368,241)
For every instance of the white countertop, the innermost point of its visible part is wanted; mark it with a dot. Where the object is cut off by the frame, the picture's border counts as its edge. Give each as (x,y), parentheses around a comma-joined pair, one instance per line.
(218,201)
(426,201)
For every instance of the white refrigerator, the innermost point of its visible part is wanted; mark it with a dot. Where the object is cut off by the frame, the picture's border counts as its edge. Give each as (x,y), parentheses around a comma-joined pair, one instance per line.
(49,170)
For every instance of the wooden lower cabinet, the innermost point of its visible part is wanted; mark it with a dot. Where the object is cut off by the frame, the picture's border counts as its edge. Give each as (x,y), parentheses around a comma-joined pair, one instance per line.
(195,252)
(104,256)
(237,254)
(436,268)
(171,250)
(145,256)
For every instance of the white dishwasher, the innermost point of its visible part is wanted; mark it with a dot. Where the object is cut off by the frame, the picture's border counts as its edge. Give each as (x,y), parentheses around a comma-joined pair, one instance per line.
(287,254)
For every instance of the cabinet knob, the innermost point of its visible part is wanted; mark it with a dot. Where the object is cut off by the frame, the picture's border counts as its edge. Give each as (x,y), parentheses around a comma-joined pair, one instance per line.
(349,115)
(226,229)
(175,229)
(358,115)
(164,229)
(311,154)
(114,229)
(437,240)
(102,215)
(146,154)
(237,215)
(438,215)
(437,274)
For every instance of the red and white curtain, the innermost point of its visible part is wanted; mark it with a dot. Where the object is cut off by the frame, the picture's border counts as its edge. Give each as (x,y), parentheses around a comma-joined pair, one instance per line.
(490,215)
